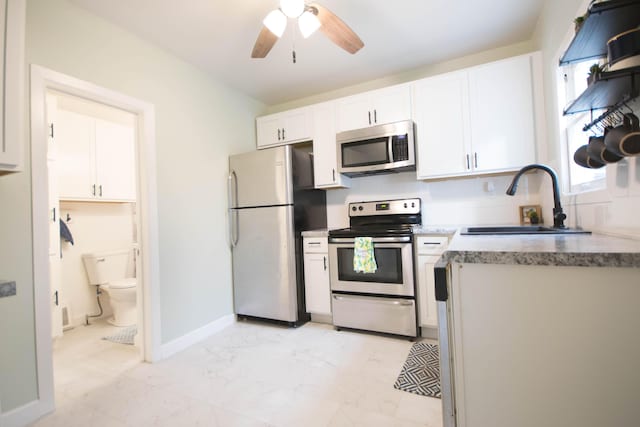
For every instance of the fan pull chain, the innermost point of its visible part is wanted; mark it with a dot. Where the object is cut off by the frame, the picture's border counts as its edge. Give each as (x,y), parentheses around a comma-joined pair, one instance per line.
(293,45)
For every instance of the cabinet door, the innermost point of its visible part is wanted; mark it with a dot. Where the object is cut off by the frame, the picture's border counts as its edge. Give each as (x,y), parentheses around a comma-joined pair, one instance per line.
(502,114)
(316,283)
(115,161)
(12,28)
(325,162)
(269,131)
(354,112)
(441,115)
(296,125)
(391,104)
(427,309)
(75,134)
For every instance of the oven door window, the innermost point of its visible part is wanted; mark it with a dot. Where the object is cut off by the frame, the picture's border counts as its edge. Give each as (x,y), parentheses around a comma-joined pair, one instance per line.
(389,270)
(362,153)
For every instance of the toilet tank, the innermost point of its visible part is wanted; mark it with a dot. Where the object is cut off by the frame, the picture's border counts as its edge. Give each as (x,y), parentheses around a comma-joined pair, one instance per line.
(103,267)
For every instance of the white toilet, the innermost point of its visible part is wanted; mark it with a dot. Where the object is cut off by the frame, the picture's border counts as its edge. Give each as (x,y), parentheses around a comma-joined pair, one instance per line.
(109,270)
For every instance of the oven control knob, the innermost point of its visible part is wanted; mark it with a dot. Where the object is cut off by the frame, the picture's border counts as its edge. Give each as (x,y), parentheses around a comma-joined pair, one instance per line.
(405,206)
(353,208)
(360,208)
(413,205)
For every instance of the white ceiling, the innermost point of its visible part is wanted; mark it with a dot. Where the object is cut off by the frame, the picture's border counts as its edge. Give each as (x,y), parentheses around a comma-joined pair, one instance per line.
(400,35)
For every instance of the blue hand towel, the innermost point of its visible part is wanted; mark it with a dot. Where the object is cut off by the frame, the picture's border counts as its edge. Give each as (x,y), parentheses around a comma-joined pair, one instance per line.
(65,234)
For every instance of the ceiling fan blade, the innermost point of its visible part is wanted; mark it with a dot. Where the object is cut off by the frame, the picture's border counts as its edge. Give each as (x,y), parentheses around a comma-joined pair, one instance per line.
(264,43)
(336,30)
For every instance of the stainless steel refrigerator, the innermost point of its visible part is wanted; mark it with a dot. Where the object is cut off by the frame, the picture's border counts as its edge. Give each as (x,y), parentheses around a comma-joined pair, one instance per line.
(271,201)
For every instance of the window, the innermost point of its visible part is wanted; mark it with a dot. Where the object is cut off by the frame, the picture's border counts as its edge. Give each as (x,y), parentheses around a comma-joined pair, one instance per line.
(574,82)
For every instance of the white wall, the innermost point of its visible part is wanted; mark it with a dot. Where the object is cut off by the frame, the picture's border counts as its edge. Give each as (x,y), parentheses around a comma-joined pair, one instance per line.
(454,202)
(199,122)
(613,210)
(95,227)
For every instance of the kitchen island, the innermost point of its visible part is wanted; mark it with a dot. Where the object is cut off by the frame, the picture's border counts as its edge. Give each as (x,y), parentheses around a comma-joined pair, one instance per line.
(540,330)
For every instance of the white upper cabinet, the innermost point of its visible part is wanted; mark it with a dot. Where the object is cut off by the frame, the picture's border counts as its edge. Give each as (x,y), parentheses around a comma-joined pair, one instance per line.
(388,105)
(502,114)
(441,116)
(95,158)
(325,166)
(284,128)
(12,29)
(478,120)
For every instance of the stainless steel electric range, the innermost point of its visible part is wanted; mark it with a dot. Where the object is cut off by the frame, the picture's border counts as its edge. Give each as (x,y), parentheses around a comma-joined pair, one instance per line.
(384,300)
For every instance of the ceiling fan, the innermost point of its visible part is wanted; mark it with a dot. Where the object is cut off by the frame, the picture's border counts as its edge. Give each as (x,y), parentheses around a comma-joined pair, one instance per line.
(311,17)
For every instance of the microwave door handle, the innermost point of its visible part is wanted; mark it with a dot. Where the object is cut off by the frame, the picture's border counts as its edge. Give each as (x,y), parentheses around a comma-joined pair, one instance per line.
(390,148)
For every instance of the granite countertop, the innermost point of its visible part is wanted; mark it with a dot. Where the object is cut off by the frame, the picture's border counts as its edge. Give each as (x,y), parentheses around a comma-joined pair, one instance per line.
(321,232)
(582,250)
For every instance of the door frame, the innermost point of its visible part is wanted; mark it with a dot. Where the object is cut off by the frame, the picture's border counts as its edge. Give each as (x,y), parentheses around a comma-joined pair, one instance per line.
(43,79)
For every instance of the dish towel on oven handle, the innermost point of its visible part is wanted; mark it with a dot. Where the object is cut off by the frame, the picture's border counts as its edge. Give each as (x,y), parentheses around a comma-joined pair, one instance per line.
(364,260)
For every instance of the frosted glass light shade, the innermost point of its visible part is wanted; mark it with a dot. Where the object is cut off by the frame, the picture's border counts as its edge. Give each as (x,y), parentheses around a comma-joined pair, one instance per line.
(292,8)
(308,23)
(276,22)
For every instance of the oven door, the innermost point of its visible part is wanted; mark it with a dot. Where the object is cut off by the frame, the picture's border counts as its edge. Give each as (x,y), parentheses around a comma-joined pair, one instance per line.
(394,276)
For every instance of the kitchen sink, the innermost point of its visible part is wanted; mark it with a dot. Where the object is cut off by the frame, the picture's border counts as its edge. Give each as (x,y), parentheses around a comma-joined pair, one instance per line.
(520,229)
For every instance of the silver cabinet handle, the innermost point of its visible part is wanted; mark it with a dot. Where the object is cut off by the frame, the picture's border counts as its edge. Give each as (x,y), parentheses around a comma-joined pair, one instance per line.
(475,160)
(468,163)
(313,243)
(100,187)
(334,175)
(432,243)
(369,112)
(283,137)
(375,116)
(54,215)
(93,190)
(278,134)
(324,261)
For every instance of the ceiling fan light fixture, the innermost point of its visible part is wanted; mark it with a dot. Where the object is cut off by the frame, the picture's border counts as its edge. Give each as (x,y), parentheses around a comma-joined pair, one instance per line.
(308,23)
(292,8)
(276,22)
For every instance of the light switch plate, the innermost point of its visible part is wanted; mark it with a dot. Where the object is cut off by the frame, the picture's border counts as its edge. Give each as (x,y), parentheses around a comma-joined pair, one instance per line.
(7,289)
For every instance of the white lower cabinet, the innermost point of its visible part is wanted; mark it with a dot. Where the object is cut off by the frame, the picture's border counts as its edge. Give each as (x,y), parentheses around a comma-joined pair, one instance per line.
(428,250)
(316,275)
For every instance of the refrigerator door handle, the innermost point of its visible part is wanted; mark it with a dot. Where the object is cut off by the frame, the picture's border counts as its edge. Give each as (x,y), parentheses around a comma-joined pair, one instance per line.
(233,213)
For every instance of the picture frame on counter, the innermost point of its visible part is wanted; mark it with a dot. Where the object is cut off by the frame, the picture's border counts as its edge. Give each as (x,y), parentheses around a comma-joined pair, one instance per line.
(530,215)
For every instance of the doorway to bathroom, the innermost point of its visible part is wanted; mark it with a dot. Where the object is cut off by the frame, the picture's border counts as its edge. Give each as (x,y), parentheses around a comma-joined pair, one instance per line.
(93,241)
(95,238)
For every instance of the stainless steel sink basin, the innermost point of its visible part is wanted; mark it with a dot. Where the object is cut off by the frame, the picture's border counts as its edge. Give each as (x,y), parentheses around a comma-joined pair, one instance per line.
(520,229)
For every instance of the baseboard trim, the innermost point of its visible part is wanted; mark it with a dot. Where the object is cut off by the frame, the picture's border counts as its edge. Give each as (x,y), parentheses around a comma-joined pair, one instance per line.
(172,347)
(26,414)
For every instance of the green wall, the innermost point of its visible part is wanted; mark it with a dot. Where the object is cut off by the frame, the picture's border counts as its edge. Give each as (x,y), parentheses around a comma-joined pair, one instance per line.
(199,122)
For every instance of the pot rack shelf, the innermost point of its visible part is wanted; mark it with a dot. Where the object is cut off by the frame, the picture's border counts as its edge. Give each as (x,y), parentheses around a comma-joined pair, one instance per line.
(613,89)
(602,21)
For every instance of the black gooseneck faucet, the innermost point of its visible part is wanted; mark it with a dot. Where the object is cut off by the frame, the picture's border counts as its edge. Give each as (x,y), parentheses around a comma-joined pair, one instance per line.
(558,215)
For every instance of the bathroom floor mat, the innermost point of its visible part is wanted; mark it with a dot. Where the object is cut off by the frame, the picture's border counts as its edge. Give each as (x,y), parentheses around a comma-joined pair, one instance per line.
(123,336)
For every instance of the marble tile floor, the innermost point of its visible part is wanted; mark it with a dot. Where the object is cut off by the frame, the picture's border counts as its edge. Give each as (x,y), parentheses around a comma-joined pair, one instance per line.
(255,374)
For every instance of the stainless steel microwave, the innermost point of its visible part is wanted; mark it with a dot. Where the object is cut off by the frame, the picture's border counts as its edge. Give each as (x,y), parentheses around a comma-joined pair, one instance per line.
(377,149)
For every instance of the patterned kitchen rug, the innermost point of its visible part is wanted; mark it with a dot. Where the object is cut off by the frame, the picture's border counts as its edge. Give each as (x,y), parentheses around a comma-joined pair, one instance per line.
(123,336)
(421,371)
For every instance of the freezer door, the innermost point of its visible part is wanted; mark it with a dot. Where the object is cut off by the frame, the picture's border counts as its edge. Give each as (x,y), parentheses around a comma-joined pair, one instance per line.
(264,267)
(261,178)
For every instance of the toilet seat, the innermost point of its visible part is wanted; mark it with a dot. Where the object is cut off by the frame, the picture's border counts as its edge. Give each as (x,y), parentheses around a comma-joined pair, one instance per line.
(121,284)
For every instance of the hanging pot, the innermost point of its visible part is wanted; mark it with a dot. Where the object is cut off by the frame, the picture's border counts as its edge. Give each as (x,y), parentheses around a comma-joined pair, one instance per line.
(623,50)
(624,140)
(597,150)
(582,158)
